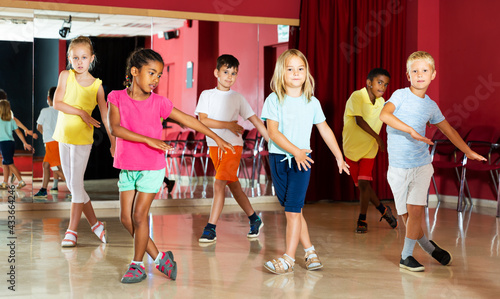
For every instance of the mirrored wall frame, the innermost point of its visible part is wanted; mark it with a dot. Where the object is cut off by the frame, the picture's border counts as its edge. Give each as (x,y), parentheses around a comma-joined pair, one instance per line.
(252,68)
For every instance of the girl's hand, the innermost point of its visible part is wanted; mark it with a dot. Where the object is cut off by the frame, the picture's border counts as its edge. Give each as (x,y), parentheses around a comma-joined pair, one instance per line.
(159,144)
(89,120)
(235,128)
(343,166)
(475,156)
(303,161)
(28,147)
(419,137)
(224,146)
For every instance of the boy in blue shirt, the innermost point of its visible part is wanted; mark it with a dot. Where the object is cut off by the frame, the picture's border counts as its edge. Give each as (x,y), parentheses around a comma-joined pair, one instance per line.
(406,115)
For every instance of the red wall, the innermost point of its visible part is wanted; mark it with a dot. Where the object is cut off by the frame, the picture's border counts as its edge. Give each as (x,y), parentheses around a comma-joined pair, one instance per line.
(463,38)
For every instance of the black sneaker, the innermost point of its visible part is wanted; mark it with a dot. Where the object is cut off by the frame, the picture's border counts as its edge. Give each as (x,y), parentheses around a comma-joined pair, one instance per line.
(255,228)
(411,264)
(393,222)
(169,183)
(441,255)
(208,236)
(362,227)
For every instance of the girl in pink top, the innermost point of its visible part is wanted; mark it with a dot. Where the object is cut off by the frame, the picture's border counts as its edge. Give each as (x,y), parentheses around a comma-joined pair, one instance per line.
(135,120)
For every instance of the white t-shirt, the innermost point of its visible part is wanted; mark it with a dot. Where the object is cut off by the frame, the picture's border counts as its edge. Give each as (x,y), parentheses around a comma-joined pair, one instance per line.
(224,106)
(48,120)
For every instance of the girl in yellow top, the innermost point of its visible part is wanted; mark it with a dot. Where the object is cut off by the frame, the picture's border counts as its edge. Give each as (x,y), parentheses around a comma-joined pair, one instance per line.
(76,96)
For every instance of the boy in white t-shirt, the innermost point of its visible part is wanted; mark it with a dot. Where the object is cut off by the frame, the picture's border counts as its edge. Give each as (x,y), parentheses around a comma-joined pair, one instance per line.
(219,109)
(46,124)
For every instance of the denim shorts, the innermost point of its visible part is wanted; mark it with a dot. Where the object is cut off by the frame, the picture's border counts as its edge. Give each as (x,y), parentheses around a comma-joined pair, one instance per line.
(289,183)
(146,181)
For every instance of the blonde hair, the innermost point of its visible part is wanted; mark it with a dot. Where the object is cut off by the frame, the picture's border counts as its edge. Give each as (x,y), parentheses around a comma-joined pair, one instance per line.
(5,113)
(278,80)
(420,55)
(81,40)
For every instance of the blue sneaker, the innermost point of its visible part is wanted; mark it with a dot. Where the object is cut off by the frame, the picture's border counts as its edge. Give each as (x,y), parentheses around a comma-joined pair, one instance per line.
(255,228)
(208,236)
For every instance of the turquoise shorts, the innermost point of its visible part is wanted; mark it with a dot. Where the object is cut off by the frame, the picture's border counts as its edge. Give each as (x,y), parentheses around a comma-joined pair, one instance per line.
(146,181)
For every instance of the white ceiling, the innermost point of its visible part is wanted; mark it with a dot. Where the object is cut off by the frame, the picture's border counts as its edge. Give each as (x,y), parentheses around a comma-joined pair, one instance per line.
(24,24)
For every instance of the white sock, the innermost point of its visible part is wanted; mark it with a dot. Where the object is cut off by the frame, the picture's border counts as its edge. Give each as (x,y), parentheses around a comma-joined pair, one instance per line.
(282,260)
(56,181)
(158,258)
(311,256)
(141,263)
(70,236)
(98,230)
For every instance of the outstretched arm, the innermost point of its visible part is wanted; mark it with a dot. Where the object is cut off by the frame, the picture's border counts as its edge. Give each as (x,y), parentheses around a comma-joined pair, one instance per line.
(26,131)
(455,138)
(366,127)
(259,125)
(219,124)
(193,123)
(68,109)
(300,155)
(118,131)
(327,134)
(387,116)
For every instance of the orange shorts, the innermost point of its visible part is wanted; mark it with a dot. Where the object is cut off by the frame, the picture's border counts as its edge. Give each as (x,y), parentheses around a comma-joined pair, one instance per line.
(226,168)
(52,154)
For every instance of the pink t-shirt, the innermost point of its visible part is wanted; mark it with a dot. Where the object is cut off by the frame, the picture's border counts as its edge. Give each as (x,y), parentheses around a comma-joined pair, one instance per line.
(141,117)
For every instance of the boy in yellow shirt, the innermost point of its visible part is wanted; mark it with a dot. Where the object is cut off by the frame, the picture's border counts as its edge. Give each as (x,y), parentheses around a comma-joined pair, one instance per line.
(361,142)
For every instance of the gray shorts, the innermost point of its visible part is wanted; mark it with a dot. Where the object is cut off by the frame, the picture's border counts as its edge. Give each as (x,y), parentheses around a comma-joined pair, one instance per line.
(409,186)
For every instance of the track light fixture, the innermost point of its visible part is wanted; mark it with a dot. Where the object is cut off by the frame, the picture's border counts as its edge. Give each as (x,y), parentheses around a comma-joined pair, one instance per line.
(65,28)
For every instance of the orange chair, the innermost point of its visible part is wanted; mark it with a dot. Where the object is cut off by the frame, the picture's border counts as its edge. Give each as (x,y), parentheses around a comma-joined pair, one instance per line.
(482,140)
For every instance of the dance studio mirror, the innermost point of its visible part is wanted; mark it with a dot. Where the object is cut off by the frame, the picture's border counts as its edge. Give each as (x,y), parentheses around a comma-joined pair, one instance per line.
(16,78)
(184,46)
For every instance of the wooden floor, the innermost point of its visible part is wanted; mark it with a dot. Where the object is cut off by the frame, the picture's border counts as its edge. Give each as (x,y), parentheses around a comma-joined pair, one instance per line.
(355,265)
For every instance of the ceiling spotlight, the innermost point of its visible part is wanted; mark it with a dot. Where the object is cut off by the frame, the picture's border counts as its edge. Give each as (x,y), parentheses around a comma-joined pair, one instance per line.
(65,28)
(171,34)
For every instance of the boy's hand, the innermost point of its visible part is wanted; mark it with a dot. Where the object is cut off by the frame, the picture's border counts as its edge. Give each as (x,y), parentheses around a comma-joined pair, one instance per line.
(419,137)
(475,156)
(159,144)
(235,128)
(381,144)
(303,161)
(343,166)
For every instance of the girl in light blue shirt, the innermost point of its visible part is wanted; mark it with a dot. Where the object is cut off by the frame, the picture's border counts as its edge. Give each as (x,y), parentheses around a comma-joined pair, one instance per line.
(291,111)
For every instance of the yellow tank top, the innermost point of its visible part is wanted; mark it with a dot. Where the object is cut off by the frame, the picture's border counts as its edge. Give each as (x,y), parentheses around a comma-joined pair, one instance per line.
(71,128)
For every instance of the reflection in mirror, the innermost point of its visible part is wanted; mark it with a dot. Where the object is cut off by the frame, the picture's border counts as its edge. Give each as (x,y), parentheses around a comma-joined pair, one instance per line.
(113,38)
(16,64)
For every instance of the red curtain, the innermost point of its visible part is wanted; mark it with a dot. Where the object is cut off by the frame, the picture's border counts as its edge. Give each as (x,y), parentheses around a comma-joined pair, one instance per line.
(343,40)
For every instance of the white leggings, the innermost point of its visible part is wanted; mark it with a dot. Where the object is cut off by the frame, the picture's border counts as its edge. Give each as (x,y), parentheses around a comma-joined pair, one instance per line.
(74,159)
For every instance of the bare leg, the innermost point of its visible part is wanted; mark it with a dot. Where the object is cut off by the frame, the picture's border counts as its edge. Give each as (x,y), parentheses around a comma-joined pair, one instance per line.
(241,198)
(16,172)
(6,173)
(305,240)
(413,221)
(218,203)
(127,199)
(141,225)
(46,174)
(366,195)
(75,215)
(293,232)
